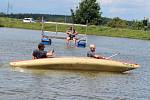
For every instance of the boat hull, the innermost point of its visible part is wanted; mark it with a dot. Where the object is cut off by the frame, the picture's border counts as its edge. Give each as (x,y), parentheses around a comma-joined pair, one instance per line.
(76,63)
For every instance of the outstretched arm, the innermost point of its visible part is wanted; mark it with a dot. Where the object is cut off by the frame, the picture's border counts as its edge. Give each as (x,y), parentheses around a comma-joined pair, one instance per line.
(50,54)
(99,57)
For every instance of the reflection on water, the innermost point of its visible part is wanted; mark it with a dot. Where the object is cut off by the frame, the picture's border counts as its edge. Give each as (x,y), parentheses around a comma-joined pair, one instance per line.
(88,74)
(27,84)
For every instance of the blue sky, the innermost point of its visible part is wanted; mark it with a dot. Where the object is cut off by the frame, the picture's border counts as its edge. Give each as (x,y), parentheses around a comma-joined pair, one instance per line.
(125,9)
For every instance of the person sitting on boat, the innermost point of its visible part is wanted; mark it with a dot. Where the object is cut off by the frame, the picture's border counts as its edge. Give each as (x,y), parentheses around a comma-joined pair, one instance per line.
(72,35)
(92,54)
(40,53)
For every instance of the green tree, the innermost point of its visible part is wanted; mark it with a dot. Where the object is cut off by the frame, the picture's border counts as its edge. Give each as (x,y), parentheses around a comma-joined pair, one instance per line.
(88,11)
(2,14)
(118,23)
(137,25)
(1,23)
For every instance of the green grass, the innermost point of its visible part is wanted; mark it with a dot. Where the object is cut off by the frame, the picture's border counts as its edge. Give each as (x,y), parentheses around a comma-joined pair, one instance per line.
(92,30)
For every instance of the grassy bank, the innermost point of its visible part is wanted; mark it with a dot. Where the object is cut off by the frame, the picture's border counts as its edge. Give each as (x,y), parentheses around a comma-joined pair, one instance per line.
(92,30)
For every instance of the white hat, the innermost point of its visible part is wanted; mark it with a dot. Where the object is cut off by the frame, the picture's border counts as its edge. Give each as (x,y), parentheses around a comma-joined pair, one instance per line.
(92,46)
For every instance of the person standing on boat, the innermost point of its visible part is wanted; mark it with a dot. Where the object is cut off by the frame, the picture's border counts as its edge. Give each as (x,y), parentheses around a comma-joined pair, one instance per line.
(72,35)
(92,54)
(40,53)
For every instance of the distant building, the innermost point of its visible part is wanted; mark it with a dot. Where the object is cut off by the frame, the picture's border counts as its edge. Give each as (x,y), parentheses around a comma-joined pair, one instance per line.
(28,20)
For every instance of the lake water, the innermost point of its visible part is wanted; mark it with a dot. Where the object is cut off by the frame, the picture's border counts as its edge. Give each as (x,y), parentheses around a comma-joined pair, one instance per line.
(18,84)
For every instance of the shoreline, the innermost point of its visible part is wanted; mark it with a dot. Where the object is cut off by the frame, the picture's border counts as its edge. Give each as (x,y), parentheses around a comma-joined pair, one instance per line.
(79,34)
(91,30)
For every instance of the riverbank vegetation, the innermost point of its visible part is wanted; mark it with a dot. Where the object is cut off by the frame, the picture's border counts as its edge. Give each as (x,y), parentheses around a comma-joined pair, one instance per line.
(91,29)
(88,13)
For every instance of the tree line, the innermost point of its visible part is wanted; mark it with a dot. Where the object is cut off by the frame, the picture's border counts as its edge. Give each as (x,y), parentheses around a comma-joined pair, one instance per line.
(114,23)
(88,12)
(49,17)
(38,17)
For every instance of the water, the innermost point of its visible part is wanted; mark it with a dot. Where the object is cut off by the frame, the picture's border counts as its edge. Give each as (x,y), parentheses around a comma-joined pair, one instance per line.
(18,84)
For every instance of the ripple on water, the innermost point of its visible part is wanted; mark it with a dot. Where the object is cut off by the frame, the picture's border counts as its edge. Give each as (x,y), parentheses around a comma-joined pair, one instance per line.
(72,85)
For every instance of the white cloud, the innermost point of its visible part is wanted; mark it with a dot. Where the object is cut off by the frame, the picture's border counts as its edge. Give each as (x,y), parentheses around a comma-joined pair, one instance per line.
(128,9)
(116,10)
(109,2)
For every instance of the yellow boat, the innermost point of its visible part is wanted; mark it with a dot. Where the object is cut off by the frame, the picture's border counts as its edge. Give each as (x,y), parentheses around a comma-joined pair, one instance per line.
(76,63)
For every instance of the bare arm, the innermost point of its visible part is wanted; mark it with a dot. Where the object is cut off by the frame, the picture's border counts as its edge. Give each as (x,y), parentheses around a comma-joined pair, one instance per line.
(50,54)
(34,57)
(99,57)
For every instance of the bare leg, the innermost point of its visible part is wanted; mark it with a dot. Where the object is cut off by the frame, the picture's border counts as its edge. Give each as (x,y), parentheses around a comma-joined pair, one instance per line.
(68,41)
(75,41)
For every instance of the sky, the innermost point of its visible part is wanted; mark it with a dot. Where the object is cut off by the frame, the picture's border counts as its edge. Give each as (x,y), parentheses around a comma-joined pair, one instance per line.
(125,9)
